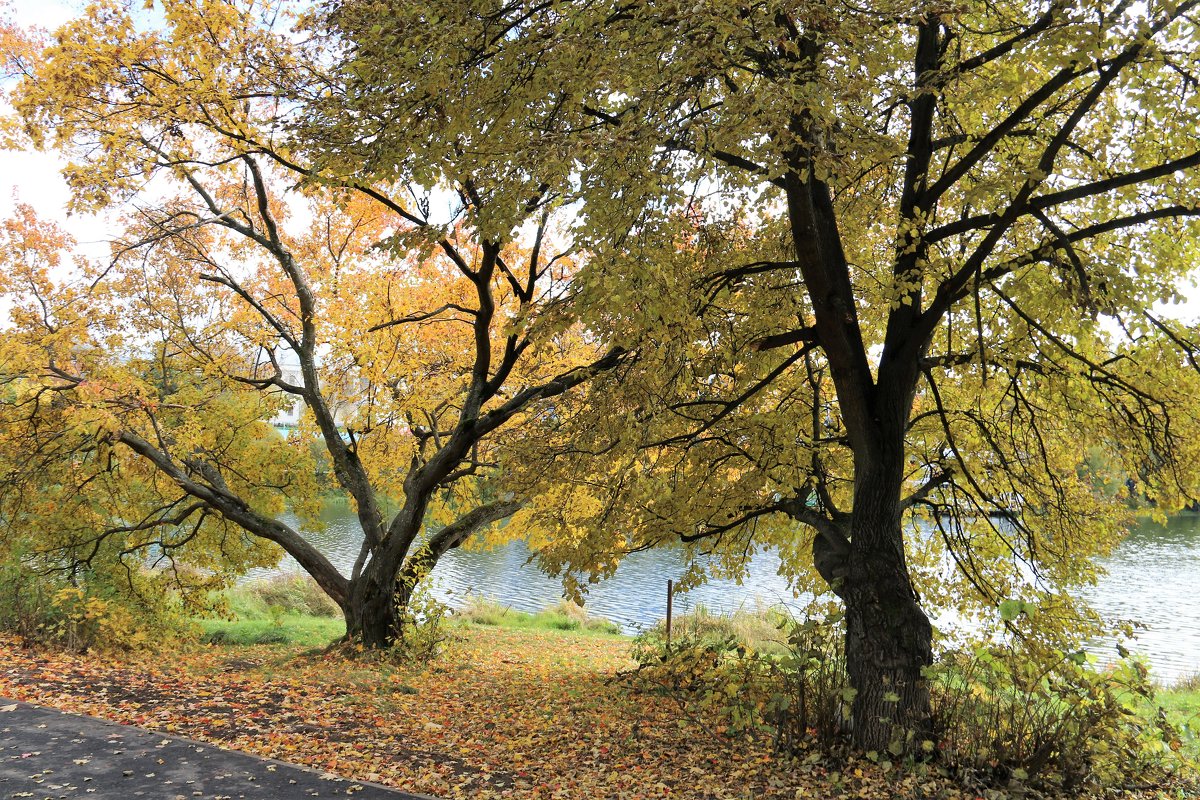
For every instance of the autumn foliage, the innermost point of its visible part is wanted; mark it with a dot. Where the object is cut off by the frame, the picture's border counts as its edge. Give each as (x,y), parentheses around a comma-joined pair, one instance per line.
(250,281)
(876,286)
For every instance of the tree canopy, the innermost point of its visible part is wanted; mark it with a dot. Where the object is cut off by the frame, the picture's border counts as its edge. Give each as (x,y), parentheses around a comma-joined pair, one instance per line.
(246,279)
(832,268)
(881,261)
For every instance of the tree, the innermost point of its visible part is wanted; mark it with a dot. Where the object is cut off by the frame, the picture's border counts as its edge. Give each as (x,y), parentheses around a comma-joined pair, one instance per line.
(248,277)
(932,240)
(71,506)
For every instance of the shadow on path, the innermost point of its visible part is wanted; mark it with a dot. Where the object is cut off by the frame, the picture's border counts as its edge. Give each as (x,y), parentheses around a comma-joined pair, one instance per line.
(46,753)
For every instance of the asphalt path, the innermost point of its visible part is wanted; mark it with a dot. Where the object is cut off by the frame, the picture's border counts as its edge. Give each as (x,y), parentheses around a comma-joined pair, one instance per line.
(47,755)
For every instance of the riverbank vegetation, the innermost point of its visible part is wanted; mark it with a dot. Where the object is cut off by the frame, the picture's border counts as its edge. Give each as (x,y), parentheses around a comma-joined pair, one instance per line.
(1005,714)
(758,682)
(527,712)
(290,609)
(865,284)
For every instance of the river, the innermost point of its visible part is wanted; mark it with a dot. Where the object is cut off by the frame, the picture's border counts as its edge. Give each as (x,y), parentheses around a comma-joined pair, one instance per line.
(1153,578)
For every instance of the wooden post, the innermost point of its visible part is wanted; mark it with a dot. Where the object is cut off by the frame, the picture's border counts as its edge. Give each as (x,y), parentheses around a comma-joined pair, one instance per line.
(670,597)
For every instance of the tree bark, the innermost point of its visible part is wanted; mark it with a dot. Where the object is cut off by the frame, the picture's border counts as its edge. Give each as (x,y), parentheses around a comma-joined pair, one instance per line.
(377,600)
(888,635)
(372,612)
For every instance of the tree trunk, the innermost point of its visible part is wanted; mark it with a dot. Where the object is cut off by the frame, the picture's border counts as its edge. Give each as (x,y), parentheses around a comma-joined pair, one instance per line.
(372,612)
(378,599)
(888,636)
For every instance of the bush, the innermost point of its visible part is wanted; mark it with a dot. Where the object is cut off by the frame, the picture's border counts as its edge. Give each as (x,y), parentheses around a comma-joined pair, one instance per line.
(423,632)
(816,692)
(83,621)
(88,609)
(759,629)
(281,595)
(1004,715)
(80,617)
(482,610)
(566,616)
(786,683)
(1001,716)
(1187,683)
(26,602)
(569,616)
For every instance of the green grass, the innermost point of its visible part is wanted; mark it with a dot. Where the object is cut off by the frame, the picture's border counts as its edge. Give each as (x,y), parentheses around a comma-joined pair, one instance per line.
(287,609)
(1181,701)
(279,596)
(307,631)
(293,610)
(562,617)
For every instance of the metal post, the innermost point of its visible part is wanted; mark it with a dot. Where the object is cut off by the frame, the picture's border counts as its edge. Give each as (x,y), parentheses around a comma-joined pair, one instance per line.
(670,597)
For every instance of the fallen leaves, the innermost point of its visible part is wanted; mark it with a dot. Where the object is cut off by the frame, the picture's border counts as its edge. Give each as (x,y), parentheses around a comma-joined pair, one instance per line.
(503,713)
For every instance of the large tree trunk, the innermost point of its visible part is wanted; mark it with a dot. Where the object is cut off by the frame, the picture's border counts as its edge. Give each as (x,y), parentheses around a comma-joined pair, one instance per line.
(372,612)
(378,599)
(888,635)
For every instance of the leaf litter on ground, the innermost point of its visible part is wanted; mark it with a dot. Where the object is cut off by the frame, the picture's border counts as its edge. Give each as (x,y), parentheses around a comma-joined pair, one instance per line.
(502,713)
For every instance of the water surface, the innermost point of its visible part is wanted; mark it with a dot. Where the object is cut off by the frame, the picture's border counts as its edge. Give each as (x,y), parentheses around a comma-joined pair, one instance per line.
(1153,578)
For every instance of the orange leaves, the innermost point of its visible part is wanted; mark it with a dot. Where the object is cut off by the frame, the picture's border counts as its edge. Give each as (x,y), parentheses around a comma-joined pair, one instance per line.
(504,713)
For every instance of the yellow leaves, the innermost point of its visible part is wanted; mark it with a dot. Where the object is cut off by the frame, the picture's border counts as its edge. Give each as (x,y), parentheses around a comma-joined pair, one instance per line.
(150,87)
(503,713)
(17,48)
(90,621)
(33,250)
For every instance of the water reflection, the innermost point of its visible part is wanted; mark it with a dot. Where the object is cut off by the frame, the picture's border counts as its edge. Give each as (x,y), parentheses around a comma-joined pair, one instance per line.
(635,597)
(1153,577)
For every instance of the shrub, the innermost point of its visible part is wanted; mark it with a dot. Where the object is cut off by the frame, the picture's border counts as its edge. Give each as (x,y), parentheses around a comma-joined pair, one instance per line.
(293,594)
(1187,683)
(816,692)
(423,632)
(1005,715)
(785,683)
(84,620)
(1002,716)
(26,602)
(759,629)
(86,613)
(482,610)
(565,616)
(602,625)
(569,616)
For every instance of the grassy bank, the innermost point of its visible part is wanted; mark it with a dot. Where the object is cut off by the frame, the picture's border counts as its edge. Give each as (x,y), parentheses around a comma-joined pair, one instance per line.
(564,616)
(1181,702)
(292,610)
(538,706)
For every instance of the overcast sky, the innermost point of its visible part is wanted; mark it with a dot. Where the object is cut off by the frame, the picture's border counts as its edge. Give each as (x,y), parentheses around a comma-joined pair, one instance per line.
(33,178)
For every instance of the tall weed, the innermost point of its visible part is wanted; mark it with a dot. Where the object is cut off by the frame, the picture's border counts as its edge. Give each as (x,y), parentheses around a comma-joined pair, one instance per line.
(1054,722)
(790,684)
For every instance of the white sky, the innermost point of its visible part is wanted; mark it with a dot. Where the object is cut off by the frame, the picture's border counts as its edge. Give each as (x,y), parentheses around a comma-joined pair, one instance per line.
(33,178)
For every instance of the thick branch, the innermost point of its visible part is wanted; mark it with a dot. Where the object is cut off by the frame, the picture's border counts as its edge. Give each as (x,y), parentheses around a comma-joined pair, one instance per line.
(1081,192)
(426,557)
(237,511)
(422,316)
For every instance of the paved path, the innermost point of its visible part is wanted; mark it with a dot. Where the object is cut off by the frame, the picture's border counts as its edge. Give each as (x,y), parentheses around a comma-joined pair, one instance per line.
(48,755)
